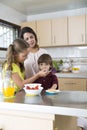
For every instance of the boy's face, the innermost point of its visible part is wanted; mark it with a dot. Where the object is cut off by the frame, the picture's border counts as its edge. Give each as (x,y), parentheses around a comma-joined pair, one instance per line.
(44,66)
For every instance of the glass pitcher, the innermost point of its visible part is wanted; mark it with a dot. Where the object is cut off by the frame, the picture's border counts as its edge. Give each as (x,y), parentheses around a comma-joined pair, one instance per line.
(8,85)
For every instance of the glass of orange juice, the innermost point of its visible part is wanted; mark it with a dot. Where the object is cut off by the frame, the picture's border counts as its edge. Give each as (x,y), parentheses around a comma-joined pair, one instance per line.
(8,89)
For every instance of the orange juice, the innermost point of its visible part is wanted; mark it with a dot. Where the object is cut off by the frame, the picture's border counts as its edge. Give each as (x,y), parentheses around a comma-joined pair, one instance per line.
(8,91)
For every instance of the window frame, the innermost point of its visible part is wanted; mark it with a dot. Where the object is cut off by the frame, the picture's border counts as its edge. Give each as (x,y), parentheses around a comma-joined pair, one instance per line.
(15,26)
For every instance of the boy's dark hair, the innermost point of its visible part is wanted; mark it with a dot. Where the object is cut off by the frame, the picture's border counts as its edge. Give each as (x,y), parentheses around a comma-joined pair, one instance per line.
(45,58)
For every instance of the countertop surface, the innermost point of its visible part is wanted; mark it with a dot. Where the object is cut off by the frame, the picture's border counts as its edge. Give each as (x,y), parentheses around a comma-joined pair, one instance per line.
(72,75)
(72,103)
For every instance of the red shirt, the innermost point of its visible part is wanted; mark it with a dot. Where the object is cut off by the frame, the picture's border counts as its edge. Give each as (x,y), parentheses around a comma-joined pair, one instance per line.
(48,81)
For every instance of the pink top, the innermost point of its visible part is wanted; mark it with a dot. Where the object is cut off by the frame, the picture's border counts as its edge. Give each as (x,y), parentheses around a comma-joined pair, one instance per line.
(31,65)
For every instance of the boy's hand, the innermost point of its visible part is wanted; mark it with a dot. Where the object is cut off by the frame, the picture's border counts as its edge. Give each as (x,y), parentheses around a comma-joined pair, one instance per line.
(43,73)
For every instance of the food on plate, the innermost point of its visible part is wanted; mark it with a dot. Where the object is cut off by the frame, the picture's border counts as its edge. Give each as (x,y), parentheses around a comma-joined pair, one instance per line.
(32,88)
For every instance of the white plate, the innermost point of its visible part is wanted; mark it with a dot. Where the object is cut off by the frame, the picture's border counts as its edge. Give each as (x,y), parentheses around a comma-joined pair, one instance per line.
(52,92)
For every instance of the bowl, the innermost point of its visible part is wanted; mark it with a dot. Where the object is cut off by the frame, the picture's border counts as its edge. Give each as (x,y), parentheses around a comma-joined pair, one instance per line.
(75,69)
(33,89)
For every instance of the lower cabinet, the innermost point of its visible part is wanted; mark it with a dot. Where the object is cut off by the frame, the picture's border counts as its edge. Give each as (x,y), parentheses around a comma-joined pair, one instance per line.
(14,120)
(65,122)
(73,84)
(21,120)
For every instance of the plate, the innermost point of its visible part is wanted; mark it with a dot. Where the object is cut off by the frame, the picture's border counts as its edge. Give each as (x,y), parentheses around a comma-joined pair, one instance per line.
(52,92)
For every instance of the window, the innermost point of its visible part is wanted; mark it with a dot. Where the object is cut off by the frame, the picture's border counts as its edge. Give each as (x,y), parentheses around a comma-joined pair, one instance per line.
(8,32)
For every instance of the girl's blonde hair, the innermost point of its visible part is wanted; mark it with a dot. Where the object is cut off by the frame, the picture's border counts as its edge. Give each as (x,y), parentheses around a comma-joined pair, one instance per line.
(18,46)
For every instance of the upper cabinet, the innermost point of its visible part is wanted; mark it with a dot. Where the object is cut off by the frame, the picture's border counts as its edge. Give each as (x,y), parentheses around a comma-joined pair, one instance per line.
(59,31)
(76,32)
(63,31)
(44,32)
(31,24)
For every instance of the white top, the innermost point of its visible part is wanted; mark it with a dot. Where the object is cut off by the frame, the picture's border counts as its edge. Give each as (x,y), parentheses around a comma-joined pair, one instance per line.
(31,65)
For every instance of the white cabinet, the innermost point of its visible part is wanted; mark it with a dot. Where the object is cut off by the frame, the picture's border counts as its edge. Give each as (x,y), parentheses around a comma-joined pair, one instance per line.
(59,31)
(44,32)
(18,120)
(22,120)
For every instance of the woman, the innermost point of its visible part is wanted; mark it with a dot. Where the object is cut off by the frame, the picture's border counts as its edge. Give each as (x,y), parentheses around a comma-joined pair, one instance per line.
(31,65)
(16,55)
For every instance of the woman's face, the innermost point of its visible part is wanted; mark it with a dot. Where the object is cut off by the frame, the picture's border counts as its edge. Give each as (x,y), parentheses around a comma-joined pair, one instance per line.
(22,56)
(30,39)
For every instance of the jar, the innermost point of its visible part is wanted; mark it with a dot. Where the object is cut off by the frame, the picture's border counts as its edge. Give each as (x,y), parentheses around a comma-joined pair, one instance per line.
(8,85)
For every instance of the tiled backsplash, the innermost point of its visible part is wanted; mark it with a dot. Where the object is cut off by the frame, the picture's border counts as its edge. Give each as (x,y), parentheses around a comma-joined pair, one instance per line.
(75,55)
(79,51)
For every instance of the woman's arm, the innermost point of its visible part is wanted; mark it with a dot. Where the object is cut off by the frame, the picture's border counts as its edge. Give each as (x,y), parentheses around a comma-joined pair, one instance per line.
(19,82)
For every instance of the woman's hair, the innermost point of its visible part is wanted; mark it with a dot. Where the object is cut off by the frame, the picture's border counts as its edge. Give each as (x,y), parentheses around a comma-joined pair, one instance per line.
(18,46)
(28,30)
(45,58)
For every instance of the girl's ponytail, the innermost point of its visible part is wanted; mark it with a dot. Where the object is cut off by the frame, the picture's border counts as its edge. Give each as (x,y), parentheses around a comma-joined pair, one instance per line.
(10,56)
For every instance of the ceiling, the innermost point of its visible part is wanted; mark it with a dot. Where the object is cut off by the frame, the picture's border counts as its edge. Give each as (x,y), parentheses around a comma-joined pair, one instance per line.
(31,7)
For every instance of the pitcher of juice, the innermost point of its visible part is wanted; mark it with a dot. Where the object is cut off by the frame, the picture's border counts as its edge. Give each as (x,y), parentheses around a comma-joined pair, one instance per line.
(8,85)
(8,89)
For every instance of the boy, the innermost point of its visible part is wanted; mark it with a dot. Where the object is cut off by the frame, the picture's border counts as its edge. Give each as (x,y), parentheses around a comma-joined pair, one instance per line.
(50,81)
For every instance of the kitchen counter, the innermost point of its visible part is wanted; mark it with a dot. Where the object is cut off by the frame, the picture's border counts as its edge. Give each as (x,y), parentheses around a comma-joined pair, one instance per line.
(72,75)
(71,103)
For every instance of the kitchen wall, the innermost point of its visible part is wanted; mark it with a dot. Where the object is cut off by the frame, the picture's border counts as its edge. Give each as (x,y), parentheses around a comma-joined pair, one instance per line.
(78,51)
(57,14)
(78,55)
(11,15)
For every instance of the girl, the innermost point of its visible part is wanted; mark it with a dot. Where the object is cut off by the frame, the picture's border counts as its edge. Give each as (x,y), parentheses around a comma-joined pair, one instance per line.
(31,65)
(16,54)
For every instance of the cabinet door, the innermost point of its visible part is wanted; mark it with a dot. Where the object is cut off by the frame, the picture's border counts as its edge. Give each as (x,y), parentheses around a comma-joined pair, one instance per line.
(72,84)
(76,26)
(59,31)
(44,32)
(29,24)
(9,122)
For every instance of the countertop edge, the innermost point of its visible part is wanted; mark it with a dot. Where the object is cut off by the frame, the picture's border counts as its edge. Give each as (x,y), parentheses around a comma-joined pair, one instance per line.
(44,109)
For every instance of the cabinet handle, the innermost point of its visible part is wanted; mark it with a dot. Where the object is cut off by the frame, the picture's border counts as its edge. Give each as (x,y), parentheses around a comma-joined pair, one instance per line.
(82,38)
(54,40)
